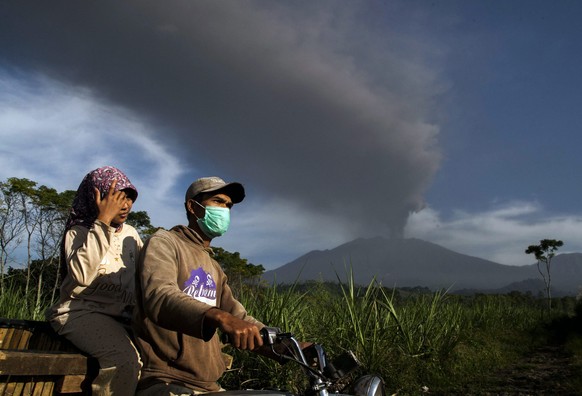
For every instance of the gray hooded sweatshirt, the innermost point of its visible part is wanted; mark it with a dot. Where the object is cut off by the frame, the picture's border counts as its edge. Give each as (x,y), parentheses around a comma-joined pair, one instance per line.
(177,283)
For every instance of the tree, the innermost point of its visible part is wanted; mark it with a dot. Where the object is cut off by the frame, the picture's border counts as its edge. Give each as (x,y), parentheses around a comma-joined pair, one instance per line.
(11,227)
(236,268)
(544,253)
(140,220)
(54,211)
(25,193)
(37,214)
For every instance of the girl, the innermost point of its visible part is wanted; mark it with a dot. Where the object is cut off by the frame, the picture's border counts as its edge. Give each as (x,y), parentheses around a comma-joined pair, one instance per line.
(98,258)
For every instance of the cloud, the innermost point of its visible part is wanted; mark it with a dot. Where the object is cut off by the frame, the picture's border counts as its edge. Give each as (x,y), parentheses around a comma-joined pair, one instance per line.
(500,234)
(328,117)
(275,232)
(314,104)
(54,134)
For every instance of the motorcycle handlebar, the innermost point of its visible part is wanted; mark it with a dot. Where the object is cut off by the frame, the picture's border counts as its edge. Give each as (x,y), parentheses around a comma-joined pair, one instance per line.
(324,372)
(270,336)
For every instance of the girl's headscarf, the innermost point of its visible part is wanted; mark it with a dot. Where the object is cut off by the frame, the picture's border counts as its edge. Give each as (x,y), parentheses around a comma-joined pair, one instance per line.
(84,211)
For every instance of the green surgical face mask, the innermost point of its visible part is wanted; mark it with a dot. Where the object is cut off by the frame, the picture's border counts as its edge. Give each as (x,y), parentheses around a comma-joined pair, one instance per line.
(215,221)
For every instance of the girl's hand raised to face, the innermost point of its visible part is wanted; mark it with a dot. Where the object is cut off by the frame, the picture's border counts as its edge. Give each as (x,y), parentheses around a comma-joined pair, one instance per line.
(111,204)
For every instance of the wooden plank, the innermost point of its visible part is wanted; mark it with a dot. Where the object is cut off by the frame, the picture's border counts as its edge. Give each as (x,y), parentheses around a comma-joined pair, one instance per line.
(70,384)
(15,339)
(20,385)
(51,342)
(11,388)
(43,387)
(28,386)
(41,363)
(35,360)
(42,342)
(7,338)
(24,338)
(3,331)
(18,389)
(39,335)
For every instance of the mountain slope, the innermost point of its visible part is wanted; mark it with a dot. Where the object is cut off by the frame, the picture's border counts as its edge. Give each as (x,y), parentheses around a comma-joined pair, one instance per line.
(413,262)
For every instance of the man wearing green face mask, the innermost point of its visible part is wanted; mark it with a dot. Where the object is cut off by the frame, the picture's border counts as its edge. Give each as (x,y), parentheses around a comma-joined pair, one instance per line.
(183,297)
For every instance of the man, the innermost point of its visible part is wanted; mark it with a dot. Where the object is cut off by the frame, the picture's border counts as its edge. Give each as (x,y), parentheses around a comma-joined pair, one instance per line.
(183,298)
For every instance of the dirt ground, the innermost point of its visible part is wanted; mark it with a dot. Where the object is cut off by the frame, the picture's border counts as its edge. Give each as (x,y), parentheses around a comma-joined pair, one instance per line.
(546,371)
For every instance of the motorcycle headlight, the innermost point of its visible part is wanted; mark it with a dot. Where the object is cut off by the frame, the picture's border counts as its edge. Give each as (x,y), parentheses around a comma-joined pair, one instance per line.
(369,385)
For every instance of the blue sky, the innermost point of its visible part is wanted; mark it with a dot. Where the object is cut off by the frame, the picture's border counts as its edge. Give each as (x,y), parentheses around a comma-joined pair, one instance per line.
(455,122)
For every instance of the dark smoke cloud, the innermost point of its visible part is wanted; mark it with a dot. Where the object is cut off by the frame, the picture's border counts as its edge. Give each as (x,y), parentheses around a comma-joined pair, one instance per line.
(313,102)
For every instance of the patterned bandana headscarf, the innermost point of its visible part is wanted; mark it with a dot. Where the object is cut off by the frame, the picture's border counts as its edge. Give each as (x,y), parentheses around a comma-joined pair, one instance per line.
(84,211)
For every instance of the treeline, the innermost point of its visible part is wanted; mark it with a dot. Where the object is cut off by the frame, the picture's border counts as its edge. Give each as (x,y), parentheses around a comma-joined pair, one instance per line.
(32,221)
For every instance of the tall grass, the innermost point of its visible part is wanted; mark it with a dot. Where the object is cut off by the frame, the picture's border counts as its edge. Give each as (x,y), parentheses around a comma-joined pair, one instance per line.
(396,340)
(427,325)
(406,343)
(361,323)
(449,344)
(275,308)
(440,341)
(501,311)
(16,304)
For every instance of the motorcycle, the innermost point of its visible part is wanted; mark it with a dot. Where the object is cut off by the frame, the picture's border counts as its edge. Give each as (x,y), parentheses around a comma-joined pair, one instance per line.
(324,375)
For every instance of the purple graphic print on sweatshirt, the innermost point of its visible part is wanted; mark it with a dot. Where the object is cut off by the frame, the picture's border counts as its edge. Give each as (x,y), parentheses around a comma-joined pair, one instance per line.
(201,287)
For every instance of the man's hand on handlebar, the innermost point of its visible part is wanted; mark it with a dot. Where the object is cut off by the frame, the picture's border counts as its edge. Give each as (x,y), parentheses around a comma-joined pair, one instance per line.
(241,334)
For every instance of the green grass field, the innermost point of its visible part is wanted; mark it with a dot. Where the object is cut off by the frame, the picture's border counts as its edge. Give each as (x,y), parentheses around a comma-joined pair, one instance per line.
(436,340)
